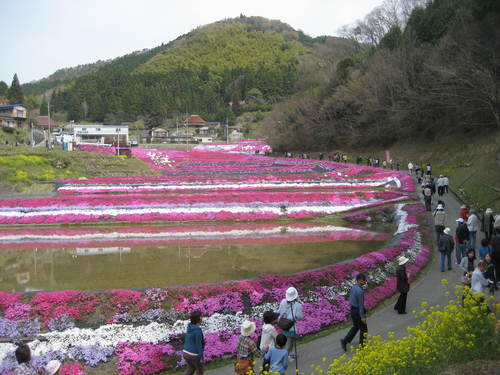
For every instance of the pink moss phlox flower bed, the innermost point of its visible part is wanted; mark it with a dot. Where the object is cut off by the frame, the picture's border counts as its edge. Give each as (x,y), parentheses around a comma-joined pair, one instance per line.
(150,320)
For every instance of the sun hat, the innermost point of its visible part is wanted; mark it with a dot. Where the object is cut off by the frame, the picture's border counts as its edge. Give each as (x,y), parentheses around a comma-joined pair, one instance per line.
(291,294)
(463,206)
(247,328)
(460,220)
(402,260)
(489,210)
(52,367)
(447,231)
(439,207)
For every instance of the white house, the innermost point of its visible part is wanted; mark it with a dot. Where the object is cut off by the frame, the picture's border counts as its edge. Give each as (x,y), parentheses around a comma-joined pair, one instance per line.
(101,134)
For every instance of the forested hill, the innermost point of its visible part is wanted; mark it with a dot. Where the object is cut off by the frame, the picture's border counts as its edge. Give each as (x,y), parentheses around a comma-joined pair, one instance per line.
(64,76)
(428,71)
(203,72)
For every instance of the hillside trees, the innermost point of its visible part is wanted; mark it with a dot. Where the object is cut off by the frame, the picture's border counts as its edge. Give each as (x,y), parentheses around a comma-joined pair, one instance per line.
(15,92)
(3,88)
(416,82)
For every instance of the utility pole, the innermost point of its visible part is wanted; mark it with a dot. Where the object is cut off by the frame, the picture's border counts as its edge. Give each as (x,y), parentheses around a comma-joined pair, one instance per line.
(227,131)
(186,123)
(48,113)
(32,137)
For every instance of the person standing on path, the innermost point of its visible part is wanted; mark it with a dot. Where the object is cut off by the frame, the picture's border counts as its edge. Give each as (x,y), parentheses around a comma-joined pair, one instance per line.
(464,212)
(269,332)
(473,226)
(439,221)
(194,345)
(446,245)
(487,223)
(291,308)
(246,349)
(358,312)
(496,224)
(277,356)
(446,184)
(403,286)
(427,192)
(461,238)
(410,168)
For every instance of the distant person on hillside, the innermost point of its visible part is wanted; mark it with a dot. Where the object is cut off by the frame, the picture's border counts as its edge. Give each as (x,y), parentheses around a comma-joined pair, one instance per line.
(321,156)
(398,167)
(464,212)
(433,186)
(402,286)
(417,170)
(410,168)
(461,239)
(446,184)
(487,223)
(473,226)
(194,345)
(384,164)
(439,221)
(446,245)
(429,169)
(358,312)
(278,356)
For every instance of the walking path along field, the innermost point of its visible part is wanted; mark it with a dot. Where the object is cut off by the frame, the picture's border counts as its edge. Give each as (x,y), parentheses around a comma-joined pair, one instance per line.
(427,288)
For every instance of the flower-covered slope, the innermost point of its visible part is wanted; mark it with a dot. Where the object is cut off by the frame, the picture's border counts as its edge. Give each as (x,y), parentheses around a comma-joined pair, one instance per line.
(143,330)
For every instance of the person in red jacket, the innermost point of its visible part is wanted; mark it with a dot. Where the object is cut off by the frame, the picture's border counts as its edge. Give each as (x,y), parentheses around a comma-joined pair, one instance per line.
(464,212)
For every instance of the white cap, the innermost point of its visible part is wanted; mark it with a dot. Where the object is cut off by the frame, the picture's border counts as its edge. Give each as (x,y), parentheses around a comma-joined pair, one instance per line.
(460,220)
(402,260)
(291,294)
(247,328)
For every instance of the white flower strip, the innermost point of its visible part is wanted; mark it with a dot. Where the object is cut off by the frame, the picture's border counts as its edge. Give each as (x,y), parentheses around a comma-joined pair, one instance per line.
(262,209)
(163,186)
(402,216)
(278,230)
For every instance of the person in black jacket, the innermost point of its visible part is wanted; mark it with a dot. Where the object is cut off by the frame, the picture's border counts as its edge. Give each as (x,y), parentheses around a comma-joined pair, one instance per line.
(403,286)
(446,245)
(462,237)
(495,254)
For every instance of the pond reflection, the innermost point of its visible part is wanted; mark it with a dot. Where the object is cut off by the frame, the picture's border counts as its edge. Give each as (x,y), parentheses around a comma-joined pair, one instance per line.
(34,259)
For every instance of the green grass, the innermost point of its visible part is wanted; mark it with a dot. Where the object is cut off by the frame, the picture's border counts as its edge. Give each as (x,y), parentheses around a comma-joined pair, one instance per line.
(23,168)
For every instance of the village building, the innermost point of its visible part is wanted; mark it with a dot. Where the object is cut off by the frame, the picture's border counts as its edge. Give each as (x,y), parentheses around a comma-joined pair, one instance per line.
(42,122)
(116,135)
(198,126)
(13,116)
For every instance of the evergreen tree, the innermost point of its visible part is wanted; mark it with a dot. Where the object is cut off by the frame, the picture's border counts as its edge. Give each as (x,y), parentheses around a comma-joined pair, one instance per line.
(15,93)
(3,88)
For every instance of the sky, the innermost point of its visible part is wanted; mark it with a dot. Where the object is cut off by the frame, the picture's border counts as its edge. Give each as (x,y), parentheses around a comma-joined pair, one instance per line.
(41,36)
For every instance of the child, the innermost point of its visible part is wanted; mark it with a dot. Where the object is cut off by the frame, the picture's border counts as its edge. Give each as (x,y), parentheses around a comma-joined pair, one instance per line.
(277,356)
(484,249)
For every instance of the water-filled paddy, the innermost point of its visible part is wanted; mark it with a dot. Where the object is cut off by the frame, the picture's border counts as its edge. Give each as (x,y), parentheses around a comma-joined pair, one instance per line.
(143,257)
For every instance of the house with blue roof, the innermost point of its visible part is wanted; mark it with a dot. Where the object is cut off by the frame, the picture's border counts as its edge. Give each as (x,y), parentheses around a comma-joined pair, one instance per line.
(13,116)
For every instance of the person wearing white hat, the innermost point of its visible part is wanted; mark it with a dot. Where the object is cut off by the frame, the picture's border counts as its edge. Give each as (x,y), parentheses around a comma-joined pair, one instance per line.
(246,349)
(403,286)
(462,237)
(52,367)
(439,221)
(290,309)
(446,245)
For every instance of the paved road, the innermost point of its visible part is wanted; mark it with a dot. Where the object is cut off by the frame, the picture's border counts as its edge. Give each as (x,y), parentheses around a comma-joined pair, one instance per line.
(428,288)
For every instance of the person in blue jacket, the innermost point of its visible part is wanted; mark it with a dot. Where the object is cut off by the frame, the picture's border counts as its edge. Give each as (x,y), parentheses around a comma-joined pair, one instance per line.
(277,356)
(194,344)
